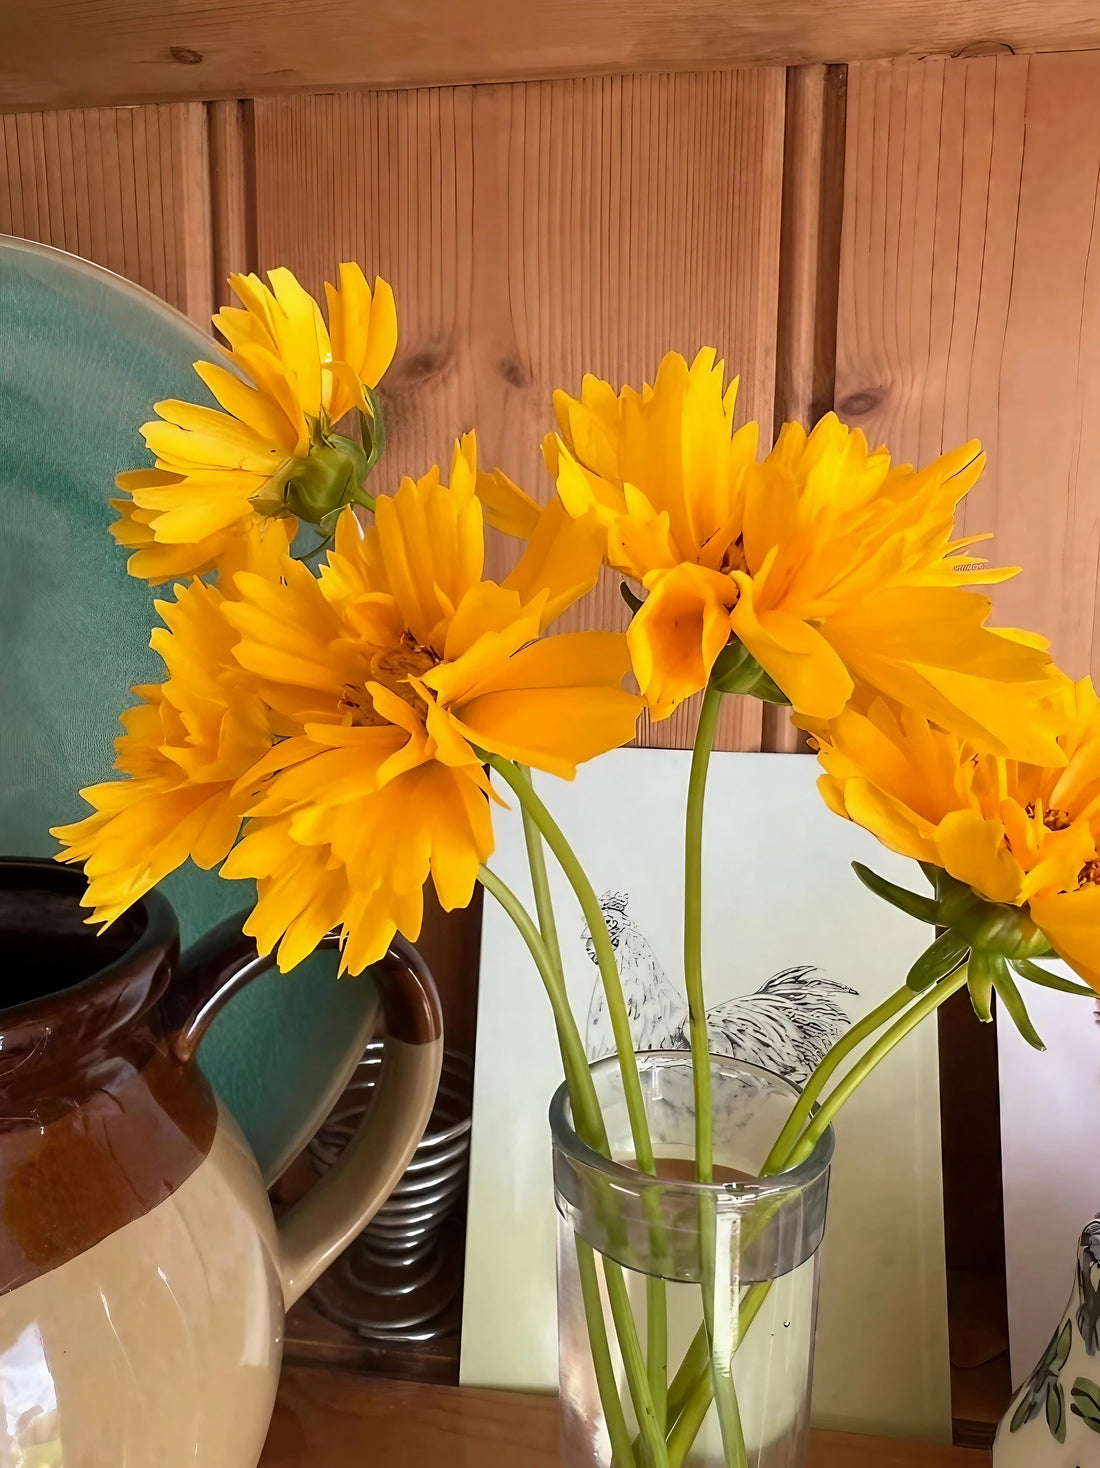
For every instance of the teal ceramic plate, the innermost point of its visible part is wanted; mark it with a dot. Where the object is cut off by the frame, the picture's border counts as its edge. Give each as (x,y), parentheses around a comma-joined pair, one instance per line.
(83,357)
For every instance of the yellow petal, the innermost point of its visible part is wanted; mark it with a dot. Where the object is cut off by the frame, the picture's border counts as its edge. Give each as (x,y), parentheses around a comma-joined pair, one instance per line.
(1071,922)
(682,626)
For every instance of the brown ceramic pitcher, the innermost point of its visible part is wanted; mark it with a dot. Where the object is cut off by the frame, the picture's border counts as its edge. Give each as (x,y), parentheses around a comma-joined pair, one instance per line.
(143,1279)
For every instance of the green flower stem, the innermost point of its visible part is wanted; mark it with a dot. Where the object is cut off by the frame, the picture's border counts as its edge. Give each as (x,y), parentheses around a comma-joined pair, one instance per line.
(695,1409)
(650,1418)
(622,1452)
(695,1397)
(589,1121)
(852,1040)
(536,860)
(725,1395)
(656,1301)
(601,941)
(927,1004)
(641,1393)
(693,933)
(696,1363)
(652,1435)
(582,1092)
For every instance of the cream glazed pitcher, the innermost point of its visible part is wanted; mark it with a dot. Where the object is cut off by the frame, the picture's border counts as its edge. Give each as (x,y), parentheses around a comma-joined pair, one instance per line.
(143,1278)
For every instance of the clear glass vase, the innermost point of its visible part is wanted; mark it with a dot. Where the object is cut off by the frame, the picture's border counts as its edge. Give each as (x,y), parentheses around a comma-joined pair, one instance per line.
(751,1247)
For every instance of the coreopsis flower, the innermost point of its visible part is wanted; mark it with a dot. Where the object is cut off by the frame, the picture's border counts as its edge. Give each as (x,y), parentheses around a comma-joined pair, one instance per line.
(1019,843)
(269,450)
(824,566)
(185,747)
(348,717)
(401,667)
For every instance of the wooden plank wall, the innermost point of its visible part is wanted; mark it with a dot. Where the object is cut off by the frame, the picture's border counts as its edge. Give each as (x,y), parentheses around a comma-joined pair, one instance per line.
(970,305)
(127,187)
(533,232)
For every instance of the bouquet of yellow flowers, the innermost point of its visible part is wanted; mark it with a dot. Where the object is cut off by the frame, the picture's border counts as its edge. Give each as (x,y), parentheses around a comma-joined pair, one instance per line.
(338,719)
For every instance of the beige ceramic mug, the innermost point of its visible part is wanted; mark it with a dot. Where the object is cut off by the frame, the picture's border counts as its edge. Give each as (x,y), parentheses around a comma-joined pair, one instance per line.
(143,1279)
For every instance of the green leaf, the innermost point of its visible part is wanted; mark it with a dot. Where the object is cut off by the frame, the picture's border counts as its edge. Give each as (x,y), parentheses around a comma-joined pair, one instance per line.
(980,983)
(632,601)
(1013,1002)
(1056,1411)
(1085,1402)
(1028,970)
(937,961)
(922,908)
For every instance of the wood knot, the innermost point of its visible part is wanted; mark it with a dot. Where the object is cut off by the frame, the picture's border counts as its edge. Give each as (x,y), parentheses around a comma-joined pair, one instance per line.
(985,48)
(185,55)
(514,372)
(856,404)
(428,362)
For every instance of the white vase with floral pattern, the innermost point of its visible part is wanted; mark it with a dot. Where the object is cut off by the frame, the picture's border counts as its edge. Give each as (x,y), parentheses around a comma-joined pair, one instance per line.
(1054,1419)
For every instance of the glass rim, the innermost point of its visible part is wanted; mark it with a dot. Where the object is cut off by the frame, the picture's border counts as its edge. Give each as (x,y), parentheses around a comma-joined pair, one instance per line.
(566,1140)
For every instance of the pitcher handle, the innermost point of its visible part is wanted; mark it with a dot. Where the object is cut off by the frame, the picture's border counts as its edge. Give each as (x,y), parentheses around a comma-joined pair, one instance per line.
(315,1230)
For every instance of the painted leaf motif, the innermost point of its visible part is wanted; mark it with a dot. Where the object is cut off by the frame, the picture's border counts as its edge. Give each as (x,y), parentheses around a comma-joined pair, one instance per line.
(1056,1411)
(1043,1385)
(1085,1402)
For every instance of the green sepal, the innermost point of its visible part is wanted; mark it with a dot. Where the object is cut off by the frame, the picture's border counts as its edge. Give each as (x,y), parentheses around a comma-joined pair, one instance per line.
(933,873)
(924,909)
(737,671)
(1014,1005)
(979,981)
(635,603)
(937,961)
(1031,971)
(373,429)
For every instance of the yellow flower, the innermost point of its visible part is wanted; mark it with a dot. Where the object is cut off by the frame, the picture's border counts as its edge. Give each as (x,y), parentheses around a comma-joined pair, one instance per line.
(269,449)
(1020,835)
(185,747)
(232,549)
(398,666)
(832,567)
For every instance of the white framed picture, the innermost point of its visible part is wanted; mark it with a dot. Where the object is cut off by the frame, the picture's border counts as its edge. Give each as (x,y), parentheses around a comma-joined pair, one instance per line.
(795,950)
(1050,1121)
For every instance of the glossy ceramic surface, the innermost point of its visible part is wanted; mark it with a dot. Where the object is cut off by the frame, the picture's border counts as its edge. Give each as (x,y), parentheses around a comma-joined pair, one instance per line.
(1053,1421)
(143,1279)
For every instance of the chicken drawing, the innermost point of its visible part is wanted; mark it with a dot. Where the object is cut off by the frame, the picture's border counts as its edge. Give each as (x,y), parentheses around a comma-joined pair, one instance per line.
(786,1026)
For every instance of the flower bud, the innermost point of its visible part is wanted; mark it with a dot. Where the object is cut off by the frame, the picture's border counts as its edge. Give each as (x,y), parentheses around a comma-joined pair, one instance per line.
(317,487)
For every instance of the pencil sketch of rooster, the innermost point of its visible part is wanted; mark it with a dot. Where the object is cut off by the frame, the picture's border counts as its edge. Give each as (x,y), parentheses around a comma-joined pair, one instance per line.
(786,1026)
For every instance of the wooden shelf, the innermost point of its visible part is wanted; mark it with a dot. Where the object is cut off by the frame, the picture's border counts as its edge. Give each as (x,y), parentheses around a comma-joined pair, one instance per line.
(327,1419)
(168,50)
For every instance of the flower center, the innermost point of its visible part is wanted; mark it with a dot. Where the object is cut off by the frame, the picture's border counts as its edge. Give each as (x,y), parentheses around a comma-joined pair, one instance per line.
(392,667)
(1089,875)
(733,557)
(1053,820)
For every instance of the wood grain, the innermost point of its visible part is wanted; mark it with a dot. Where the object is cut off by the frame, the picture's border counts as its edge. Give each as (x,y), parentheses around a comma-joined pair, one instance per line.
(533,232)
(970,305)
(127,188)
(326,1420)
(232,194)
(66,53)
(809,271)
